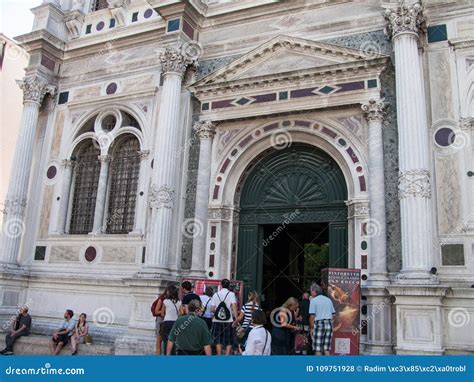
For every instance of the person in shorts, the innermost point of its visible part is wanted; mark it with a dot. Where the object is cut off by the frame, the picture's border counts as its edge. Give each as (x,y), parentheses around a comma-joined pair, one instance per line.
(222,328)
(321,310)
(62,336)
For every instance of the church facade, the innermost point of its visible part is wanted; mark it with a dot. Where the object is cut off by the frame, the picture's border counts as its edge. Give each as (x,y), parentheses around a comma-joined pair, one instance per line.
(164,140)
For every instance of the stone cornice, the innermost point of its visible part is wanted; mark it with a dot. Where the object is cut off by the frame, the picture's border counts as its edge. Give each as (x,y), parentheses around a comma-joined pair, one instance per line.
(462,42)
(352,70)
(28,39)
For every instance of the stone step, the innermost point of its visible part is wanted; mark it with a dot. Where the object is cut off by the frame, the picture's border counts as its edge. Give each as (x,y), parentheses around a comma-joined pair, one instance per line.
(35,344)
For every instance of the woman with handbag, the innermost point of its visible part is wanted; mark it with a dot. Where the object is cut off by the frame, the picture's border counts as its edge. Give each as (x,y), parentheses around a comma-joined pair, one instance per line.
(157,310)
(245,316)
(170,310)
(259,341)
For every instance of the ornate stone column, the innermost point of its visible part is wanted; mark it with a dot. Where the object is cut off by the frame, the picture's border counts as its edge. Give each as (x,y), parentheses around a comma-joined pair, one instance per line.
(140,205)
(98,227)
(403,25)
(68,166)
(378,243)
(162,191)
(34,91)
(205,131)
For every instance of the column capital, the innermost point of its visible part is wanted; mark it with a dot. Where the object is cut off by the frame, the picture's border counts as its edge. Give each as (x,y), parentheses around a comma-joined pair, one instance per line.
(161,197)
(34,89)
(404,19)
(414,183)
(205,129)
(104,158)
(174,60)
(68,163)
(374,110)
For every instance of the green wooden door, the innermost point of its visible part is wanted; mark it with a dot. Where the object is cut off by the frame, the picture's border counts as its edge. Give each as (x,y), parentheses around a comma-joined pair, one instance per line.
(300,184)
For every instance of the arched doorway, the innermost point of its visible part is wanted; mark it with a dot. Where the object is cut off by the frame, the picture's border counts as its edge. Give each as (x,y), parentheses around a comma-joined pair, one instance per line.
(293,221)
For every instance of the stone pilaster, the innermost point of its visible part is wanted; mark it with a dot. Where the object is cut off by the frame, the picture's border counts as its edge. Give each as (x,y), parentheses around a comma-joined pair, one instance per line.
(140,205)
(34,90)
(98,227)
(378,240)
(68,167)
(403,26)
(205,131)
(166,172)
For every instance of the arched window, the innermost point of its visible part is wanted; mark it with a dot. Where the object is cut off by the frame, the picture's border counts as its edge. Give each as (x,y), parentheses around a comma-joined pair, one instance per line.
(86,178)
(124,173)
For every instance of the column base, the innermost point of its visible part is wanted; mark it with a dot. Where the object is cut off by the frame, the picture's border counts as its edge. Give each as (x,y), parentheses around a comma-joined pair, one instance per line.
(416,278)
(378,280)
(419,312)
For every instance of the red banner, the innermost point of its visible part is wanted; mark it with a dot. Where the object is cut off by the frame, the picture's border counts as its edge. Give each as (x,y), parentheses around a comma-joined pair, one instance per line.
(200,286)
(342,286)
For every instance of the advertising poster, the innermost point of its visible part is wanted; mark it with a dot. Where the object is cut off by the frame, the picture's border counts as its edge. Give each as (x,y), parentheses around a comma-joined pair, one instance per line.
(200,286)
(342,286)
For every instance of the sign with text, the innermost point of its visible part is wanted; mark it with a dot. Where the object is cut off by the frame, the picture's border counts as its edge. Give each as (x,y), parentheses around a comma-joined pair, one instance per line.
(200,286)
(342,286)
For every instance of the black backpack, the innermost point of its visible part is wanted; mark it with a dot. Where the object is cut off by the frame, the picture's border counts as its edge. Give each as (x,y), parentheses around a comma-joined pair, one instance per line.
(222,312)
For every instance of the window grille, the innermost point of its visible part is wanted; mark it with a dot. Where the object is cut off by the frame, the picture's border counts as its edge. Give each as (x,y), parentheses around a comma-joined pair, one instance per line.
(86,178)
(124,173)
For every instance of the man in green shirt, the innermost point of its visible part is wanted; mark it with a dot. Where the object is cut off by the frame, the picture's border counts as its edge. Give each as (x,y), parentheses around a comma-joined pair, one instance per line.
(190,333)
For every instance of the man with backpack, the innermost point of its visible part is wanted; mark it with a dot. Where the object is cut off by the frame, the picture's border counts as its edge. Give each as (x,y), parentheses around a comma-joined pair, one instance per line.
(224,308)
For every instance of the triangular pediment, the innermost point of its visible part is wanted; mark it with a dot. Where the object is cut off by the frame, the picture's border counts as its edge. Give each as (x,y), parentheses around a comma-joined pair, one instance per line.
(284,55)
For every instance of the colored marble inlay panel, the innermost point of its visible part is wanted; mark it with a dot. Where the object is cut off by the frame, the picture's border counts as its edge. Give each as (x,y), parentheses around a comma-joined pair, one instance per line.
(188,29)
(211,260)
(270,127)
(221,104)
(265,97)
(213,231)
(363,186)
(47,62)
(216,192)
(352,154)
(363,261)
(302,123)
(329,132)
(351,86)
(302,93)
(246,140)
(225,165)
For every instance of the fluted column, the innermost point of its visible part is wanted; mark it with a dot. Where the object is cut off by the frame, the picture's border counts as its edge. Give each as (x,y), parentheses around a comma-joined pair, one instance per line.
(162,192)
(34,91)
(205,131)
(68,165)
(140,206)
(378,243)
(98,227)
(403,25)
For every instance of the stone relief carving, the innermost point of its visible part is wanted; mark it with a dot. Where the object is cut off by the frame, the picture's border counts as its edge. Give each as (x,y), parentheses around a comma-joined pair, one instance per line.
(404,19)
(220,213)
(161,197)
(358,209)
(414,183)
(373,110)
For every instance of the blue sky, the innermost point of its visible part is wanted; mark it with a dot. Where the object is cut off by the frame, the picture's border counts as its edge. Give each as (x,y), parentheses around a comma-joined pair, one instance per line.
(16,18)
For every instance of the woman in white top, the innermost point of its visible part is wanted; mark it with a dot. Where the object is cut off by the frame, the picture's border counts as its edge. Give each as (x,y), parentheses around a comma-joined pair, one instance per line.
(259,341)
(206,299)
(170,310)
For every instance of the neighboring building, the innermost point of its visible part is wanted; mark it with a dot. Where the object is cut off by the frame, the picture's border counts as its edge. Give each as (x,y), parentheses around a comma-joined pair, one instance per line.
(13,61)
(163,140)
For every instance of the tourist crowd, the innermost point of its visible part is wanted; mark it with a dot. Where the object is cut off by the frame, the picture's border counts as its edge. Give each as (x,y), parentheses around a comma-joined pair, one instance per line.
(213,324)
